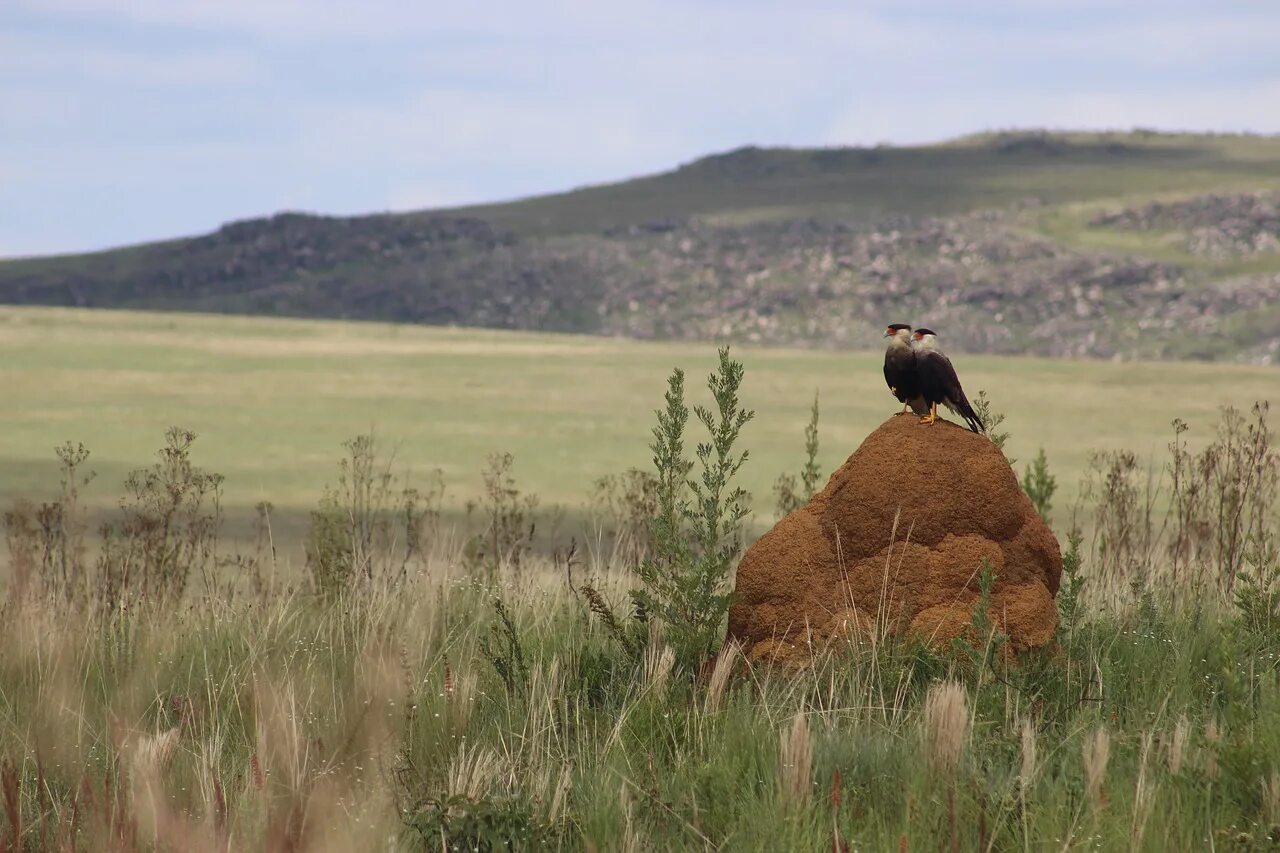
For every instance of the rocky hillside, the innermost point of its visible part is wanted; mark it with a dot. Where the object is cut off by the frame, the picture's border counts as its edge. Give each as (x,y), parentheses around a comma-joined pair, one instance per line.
(1134,245)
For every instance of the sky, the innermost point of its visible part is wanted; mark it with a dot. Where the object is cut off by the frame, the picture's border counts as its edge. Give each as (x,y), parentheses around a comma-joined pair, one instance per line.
(123,121)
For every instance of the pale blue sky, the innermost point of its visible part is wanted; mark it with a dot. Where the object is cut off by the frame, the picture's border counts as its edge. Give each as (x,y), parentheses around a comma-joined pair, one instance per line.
(130,120)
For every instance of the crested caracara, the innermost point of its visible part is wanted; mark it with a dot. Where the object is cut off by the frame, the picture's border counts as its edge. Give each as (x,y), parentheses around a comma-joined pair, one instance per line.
(900,369)
(938,382)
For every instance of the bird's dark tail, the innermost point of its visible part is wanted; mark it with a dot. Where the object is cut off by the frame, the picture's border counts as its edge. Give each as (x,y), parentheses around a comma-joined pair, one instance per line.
(971,417)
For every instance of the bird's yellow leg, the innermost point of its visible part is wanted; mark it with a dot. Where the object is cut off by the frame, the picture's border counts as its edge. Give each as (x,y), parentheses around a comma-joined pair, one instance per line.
(932,416)
(905,408)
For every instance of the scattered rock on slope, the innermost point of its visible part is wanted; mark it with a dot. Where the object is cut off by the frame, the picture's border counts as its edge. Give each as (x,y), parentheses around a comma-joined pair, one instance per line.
(899,533)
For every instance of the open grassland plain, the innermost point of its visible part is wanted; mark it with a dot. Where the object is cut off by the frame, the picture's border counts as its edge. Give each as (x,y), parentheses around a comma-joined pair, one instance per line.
(272,402)
(447,691)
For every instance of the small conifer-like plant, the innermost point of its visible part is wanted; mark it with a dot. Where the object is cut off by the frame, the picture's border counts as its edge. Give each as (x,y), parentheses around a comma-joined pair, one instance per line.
(992,419)
(697,531)
(793,493)
(1040,485)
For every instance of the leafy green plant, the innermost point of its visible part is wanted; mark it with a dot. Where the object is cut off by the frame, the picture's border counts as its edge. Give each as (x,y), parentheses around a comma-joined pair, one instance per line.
(1071,586)
(992,419)
(624,506)
(1256,593)
(509,523)
(985,639)
(170,526)
(371,524)
(502,647)
(698,526)
(1040,485)
(46,543)
(792,493)
(481,825)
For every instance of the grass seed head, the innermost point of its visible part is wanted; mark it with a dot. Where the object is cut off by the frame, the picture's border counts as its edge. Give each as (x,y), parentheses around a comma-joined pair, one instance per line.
(946,725)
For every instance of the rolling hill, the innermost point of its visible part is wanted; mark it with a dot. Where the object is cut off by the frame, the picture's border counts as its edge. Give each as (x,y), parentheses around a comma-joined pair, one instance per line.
(1134,245)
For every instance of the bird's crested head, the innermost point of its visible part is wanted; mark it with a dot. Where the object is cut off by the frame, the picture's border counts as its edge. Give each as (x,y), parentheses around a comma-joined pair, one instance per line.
(901,331)
(924,337)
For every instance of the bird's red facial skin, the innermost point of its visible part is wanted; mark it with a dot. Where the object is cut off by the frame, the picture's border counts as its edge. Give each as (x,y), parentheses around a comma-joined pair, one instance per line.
(918,336)
(889,333)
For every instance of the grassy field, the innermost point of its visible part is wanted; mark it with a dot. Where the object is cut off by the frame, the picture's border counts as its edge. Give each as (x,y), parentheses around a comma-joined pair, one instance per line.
(444,704)
(273,400)
(972,172)
(279,724)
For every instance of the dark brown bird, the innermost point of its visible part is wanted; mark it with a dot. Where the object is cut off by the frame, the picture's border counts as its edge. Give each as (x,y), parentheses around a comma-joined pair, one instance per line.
(900,369)
(938,382)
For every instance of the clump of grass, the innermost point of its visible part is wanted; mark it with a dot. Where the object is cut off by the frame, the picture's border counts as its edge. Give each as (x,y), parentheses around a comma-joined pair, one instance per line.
(1096,751)
(1027,744)
(945,726)
(795,761)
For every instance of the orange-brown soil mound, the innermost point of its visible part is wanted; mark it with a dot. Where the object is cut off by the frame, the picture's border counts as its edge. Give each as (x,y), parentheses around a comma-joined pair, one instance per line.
(898,534)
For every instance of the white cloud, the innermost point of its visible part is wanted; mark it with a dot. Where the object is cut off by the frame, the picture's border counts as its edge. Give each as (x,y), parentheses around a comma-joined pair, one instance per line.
(342,106)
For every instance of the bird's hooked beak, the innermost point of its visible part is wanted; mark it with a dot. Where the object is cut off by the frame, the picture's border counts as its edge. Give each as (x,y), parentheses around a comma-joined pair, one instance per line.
(889,333)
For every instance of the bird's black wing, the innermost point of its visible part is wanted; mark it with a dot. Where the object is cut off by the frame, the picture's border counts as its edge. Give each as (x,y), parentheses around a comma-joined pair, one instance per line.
(900,373)
(945,380)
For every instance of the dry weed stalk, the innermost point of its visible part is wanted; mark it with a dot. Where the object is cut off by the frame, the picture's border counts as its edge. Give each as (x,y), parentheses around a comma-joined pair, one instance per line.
(472,772)
(796,760)
(152,754)
(1143,793)
(1028,754)
(1178,745)
(631,841)
(1096,751)
(12,803)
(946,725)
(460,701)
(1271,798)
(720,674)
(658,663)
(1211,738)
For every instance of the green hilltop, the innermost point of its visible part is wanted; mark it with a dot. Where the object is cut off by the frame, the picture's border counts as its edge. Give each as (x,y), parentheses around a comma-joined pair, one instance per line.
(1129,245)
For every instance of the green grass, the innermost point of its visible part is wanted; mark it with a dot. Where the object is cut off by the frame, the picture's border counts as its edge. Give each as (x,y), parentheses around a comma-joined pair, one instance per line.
(266,717)
(860,184)
(273,400)
(344,727)
(1069,226)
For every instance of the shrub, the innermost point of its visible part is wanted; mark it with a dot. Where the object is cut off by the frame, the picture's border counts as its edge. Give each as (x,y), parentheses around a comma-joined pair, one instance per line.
(698,526)
(481,825)
(46,543)
(991,420)
(792,492)
(172,518)
(370,526)
(507,537)
(1040,485)
(625,505)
